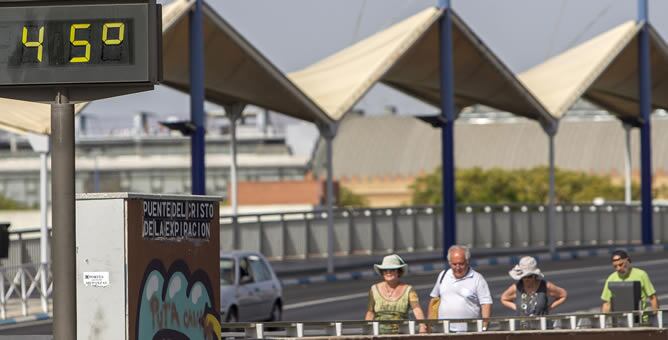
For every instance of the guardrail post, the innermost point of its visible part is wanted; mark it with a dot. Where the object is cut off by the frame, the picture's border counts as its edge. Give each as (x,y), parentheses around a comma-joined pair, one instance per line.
(601,321)
(543,323)
(335,329)
(372,213)
(44,278)
(446,326)
(3,301)
(574,321)
(307,235)
(629,320)
(414,222)
(24,299)
(260,230)
(511,325)
(296,330)
(394,228)
(351,228)
(284,236)
(236,237)
(22,248)
(478,324)
(659,318)
(255,331)
(511,216)
(474,228)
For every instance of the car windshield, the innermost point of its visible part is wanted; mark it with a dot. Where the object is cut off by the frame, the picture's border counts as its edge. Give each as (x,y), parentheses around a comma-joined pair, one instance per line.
(226,272)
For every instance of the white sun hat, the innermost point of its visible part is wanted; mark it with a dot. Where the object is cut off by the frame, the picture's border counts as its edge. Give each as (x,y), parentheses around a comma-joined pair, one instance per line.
(393,261)
(527,266)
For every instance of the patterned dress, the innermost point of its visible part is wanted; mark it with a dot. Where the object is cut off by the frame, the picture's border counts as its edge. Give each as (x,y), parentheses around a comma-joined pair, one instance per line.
(395,309)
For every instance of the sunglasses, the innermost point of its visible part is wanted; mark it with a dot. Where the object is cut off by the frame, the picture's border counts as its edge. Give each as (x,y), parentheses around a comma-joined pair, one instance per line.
(388,270)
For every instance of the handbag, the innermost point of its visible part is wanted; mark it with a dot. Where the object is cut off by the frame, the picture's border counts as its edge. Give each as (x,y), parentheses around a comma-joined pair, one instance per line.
(434,303)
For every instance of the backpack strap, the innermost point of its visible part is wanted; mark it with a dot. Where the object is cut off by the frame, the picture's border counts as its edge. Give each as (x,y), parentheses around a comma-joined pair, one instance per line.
(441,277)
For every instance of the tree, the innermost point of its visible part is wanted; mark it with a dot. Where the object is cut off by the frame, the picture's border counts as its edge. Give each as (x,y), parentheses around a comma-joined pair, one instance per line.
(499,186)
(347,198)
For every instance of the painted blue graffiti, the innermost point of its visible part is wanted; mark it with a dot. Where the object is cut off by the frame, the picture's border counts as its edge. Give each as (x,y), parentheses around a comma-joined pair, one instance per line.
(176,304)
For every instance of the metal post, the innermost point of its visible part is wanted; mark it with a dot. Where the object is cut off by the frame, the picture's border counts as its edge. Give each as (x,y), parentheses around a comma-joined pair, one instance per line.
(644,86)
(234,112)
(44,230)
(96,174)
(447,131)
(550,202)
(233,165)
(64,229)
(627,164)
(198,166)
(328,131)
(40,143)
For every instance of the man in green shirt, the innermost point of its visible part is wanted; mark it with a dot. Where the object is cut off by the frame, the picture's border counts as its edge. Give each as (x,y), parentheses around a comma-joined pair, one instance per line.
(625,272)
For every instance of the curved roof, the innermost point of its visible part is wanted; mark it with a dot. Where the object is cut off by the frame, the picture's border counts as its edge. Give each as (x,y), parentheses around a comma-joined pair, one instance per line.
(27,117)
(235,70)
(604,70)
(406,57)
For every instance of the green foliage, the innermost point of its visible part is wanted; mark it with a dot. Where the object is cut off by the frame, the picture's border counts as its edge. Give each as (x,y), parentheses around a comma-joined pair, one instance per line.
(347,198)
(499,186)
(10,204)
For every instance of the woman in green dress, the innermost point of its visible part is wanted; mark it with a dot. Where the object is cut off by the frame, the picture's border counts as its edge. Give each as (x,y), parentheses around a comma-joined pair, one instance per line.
(391,299)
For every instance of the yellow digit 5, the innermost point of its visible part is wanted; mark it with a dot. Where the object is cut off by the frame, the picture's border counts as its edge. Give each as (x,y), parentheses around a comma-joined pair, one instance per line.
(73,31)
(121,32)
(37,43)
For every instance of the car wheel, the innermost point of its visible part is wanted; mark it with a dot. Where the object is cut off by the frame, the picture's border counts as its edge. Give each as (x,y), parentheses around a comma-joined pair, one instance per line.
(232,315)
(276,312)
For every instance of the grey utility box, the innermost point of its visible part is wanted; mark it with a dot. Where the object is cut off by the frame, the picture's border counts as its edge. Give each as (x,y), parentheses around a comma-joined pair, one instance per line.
(147,266)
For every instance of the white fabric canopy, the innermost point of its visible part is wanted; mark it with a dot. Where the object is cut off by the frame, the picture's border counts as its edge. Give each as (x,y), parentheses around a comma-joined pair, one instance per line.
(603,70)
(406,56)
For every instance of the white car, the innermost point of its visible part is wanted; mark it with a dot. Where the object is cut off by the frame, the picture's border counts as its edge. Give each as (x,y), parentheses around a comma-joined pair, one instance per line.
(249,288)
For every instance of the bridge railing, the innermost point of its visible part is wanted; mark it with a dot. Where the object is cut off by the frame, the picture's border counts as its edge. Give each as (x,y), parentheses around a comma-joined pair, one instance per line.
(25,290)
(302,235)
(521,227)
(578,322)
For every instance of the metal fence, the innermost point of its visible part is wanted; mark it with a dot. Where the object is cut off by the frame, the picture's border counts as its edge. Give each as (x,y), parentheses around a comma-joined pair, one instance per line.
(579,322)
(303,235)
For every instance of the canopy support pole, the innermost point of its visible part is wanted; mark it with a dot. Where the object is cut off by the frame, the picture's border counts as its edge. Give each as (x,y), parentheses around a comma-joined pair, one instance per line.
(328,132)
(197,142)
(234,112)
(627,163)
(551,199)
(645,88)
(447,130)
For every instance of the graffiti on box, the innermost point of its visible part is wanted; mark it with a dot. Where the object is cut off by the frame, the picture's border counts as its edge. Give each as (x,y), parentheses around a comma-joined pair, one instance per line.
(176,304)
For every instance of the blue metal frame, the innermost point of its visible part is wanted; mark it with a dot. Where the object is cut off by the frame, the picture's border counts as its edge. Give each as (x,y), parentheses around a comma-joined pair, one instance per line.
(197,145)
(645,89)
(447,130)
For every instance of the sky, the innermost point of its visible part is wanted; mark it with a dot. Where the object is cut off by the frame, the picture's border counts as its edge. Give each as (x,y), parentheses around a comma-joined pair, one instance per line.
(296,33)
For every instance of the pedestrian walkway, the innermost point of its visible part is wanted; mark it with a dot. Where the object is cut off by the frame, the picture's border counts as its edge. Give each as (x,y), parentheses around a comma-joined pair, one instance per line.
(14,311)
(356,268)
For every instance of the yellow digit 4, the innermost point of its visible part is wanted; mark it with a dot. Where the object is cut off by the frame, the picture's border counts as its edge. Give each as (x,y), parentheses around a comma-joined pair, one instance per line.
(37,43)
(73,32)
(121,33)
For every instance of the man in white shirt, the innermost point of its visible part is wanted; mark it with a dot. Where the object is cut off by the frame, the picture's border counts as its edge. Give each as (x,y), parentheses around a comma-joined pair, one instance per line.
(463,292)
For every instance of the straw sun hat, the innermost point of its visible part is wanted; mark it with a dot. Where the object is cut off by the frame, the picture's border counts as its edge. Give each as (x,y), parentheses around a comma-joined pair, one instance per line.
(391,262)
(527,266)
